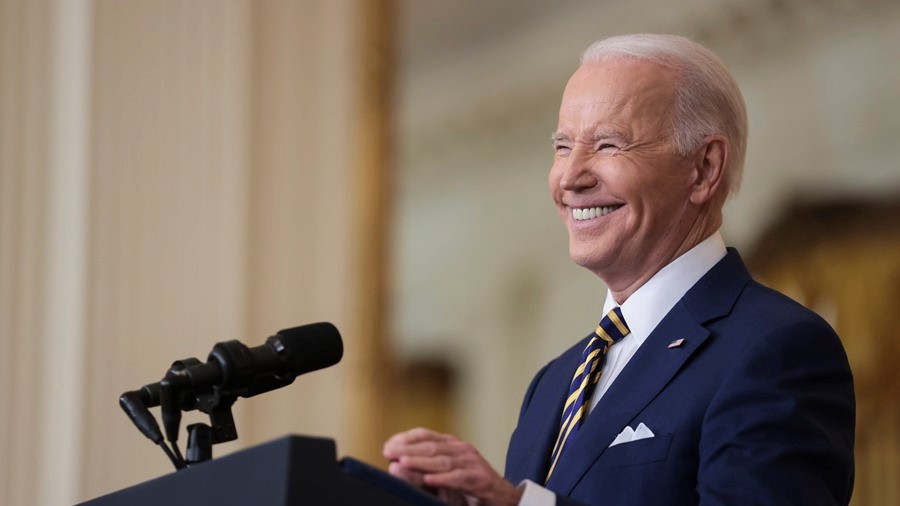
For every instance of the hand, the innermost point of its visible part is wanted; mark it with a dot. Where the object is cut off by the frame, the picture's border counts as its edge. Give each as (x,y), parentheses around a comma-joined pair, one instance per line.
(453,468)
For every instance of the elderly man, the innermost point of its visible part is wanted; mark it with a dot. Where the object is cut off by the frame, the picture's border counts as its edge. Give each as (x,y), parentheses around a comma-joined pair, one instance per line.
(699,386)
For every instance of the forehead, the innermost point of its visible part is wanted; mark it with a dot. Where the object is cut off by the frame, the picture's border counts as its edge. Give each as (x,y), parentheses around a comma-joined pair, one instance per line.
(625,94)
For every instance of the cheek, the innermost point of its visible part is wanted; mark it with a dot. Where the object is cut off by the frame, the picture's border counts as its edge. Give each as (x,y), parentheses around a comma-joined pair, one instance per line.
(665,205)
(661,191)
(553,180)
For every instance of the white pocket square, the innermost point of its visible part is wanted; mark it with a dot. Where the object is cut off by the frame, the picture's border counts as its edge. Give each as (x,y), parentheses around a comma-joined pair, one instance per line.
(628,434)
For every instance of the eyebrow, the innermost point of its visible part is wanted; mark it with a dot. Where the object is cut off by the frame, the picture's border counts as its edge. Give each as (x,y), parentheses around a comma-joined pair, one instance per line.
(598,135)
(606,134)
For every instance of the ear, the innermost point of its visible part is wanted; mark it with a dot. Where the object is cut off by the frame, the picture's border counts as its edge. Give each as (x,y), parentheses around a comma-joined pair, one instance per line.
(709,169)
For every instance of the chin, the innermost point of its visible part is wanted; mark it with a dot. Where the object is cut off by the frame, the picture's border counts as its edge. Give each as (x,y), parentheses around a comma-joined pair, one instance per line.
(591,258)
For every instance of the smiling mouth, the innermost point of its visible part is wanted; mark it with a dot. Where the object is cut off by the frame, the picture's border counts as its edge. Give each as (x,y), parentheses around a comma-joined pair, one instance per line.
(589,213)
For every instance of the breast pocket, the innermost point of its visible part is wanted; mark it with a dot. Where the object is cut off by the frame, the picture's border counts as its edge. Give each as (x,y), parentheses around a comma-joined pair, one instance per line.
(642,451)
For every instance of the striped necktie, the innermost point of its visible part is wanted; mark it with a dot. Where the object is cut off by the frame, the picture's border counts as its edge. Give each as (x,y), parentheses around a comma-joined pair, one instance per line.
(611,329)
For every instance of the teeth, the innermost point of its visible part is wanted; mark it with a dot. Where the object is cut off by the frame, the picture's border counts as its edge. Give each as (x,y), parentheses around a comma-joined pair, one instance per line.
(591,212)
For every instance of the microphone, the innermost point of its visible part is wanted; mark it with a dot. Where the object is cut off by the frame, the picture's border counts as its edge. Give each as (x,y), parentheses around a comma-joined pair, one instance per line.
(233,370)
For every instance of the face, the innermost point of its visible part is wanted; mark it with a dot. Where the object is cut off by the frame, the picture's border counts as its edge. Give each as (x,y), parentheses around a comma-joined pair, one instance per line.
(617,180)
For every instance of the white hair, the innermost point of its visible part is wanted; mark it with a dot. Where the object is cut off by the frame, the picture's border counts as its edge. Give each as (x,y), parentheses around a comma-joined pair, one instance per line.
(707,101)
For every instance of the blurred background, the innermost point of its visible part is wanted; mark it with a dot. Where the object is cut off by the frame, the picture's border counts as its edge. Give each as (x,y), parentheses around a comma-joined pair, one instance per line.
(175,173)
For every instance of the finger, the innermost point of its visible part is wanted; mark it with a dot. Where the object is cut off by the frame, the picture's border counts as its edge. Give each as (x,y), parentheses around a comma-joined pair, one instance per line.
(393,450)
(428,464)
(406,474)
(460,479)
(424,449)
(394,446)
(419,434)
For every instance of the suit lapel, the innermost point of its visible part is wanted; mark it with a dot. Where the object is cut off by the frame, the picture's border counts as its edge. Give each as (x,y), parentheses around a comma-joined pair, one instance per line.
(651,368)
(646,374)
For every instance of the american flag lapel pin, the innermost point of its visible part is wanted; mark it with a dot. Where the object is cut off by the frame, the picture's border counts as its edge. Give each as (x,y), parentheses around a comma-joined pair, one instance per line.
(676,343)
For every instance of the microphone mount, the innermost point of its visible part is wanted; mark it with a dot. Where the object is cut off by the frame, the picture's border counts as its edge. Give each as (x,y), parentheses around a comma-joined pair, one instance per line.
(232,370)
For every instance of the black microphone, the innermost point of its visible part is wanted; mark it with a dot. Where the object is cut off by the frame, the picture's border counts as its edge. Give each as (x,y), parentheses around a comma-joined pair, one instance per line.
(234,369)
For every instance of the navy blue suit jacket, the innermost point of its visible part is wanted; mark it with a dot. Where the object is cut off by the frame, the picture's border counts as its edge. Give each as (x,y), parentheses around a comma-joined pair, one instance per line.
(755,407)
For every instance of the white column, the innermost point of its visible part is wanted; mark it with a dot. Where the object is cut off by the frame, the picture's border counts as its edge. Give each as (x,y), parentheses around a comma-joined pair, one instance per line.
(65,255)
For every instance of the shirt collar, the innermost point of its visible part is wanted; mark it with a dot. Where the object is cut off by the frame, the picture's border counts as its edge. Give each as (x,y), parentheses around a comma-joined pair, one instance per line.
(650,303)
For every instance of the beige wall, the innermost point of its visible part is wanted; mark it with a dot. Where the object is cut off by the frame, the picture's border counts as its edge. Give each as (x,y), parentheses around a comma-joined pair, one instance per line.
(173,174)
(25,114)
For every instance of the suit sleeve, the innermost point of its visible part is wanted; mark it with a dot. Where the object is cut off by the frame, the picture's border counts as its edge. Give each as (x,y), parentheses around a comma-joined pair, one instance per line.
(562,500)
(780,427)
(526,401)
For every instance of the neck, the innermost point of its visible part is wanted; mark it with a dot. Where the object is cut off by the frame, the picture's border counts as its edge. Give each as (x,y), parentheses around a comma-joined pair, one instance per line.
(623,285)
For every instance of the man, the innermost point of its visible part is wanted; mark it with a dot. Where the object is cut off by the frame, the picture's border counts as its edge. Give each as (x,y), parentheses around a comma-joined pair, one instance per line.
(700,386)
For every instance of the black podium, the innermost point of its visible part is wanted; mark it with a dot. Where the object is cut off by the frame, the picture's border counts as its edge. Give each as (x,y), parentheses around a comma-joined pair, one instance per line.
(290,471)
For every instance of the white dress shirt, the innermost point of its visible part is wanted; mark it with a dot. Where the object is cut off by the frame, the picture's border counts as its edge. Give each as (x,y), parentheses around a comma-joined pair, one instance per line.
(643,311)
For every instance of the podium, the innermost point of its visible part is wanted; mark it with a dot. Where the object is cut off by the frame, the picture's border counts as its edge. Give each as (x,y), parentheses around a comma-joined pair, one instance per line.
(290,471)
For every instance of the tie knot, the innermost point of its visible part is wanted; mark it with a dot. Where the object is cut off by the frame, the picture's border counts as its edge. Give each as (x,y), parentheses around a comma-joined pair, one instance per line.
(612,327)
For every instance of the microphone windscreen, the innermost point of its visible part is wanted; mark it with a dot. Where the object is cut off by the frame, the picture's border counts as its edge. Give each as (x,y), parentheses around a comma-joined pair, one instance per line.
(311,347)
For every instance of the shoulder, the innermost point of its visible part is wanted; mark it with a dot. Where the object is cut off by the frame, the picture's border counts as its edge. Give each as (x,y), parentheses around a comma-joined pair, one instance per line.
(765,318)
(767,336)
(776,306)
(783,403)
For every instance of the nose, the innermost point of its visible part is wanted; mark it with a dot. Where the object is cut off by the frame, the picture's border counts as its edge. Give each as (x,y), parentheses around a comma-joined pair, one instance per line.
(577,174)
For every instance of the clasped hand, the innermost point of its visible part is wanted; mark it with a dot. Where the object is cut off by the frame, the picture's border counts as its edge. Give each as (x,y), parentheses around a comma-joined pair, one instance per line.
(452,469)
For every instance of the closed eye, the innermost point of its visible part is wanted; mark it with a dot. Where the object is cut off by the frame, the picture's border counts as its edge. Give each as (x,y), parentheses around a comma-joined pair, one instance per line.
(607,141)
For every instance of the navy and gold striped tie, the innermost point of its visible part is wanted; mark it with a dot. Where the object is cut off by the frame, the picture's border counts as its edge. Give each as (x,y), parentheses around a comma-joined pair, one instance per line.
(611,329)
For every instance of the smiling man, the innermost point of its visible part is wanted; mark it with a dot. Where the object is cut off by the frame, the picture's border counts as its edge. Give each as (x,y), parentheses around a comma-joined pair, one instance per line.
(699,385)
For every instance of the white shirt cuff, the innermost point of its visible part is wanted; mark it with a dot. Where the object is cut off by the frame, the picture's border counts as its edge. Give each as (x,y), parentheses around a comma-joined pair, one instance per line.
(536,495)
